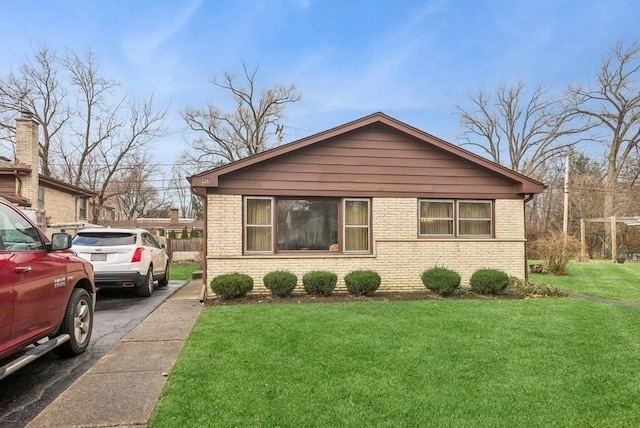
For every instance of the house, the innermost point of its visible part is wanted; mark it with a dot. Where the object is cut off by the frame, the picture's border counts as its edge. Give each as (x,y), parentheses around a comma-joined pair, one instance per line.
(375,194)
(44,198)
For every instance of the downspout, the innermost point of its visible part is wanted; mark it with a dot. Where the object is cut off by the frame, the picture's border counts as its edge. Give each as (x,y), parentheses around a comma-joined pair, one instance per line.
(203,263)
(524,213)
(18,186)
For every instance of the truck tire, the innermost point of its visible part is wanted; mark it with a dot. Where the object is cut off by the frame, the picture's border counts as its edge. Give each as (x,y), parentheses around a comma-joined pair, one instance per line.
(77,323)
(146,289)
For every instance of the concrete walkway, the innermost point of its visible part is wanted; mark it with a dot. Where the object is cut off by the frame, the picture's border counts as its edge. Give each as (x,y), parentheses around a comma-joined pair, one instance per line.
(604,300)
(123,387)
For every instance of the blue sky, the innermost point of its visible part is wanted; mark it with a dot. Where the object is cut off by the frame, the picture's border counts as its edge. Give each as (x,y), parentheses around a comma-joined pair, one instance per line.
(413,60)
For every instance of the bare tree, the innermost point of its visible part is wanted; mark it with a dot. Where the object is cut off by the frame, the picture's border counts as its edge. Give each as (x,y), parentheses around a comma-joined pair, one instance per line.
(243,132)
(545,212)
(142,124)
(189,204)
(520,132)
(99,120)
(90,130)
(613,105)
(109,130)
(133,187)
(36,89)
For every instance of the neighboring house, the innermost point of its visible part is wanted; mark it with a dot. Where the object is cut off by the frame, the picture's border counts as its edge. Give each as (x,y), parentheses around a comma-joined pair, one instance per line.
(375,194)
(46,199)
(162,226)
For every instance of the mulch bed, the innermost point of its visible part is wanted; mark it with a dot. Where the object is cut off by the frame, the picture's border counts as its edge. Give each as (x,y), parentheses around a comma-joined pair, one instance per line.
(300,298)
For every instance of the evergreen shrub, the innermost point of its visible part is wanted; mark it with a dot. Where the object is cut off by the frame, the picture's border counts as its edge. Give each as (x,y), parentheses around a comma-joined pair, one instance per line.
(489,281)
(362,282)
(232,285)
(319,282)
(441,280)
(280,282)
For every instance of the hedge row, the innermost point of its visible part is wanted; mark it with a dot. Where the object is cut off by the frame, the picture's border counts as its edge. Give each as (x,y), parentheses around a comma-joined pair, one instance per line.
(282,283)
(444,281)
(440,280)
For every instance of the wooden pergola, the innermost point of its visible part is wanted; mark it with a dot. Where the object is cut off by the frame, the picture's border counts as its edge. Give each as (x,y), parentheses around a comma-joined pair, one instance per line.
(629,221)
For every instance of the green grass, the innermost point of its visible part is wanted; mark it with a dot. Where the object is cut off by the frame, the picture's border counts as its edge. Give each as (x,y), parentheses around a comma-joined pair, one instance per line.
(182,271)
(598,278)
(553,362)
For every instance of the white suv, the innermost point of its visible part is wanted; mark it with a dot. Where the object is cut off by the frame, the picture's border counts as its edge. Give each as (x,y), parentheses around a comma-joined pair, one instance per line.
(124,258)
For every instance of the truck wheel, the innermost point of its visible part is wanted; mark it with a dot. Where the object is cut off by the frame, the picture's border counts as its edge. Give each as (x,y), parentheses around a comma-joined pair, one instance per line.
(146,289)
(77,323)
(164,281)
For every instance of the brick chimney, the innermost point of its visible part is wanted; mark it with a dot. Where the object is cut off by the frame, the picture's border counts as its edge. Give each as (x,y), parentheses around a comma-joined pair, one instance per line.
(27,153)
(173,216)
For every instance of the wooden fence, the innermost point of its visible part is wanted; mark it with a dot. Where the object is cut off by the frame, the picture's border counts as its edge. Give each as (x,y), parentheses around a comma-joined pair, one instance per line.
(185,249)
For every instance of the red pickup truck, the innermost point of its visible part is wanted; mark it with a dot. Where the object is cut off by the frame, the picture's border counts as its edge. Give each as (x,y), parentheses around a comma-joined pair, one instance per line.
(47,293)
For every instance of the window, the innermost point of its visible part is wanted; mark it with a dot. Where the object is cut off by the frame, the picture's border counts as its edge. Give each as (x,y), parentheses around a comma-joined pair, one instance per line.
(356,225)
(436,218)
(16,233)
(306,224)
(149,240)
(82,208)
(258,224)
(104,239)
(464,218)
(474,218)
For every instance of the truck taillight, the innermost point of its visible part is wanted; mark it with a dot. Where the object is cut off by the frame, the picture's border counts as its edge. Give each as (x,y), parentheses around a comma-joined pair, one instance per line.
(137,255)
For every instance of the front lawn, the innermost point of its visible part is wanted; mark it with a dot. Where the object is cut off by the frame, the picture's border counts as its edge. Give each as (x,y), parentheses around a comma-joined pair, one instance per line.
(182,270)
(457,363)
(598,278)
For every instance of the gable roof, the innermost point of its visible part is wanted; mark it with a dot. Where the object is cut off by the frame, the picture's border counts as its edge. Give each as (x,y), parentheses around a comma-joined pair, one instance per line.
(210,179)
(60,185)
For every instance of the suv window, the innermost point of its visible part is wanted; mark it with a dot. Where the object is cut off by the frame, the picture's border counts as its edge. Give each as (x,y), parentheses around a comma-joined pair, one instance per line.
(104,239)
(149,240)
(16,233)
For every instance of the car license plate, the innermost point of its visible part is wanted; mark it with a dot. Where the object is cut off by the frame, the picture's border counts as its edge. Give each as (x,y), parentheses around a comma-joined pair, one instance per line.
(98,257)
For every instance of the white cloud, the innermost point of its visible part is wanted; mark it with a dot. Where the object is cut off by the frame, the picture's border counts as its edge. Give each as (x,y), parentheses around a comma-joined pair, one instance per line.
(388,73)
(141,46)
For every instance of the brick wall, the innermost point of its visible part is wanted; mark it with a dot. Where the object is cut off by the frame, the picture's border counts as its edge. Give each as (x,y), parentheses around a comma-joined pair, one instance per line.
(224,226)
(60,206)
(27,152)
(398,256)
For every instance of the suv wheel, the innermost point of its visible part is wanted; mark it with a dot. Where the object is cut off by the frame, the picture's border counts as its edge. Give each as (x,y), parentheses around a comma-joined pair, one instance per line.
(146,289)
(77,323)
(164,281)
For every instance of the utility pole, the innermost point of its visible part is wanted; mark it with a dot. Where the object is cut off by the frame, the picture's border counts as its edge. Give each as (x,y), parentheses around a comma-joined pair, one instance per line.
(565,218)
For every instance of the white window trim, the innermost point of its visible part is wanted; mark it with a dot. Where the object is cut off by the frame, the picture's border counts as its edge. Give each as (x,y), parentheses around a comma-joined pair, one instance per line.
(344,225)
(245,226)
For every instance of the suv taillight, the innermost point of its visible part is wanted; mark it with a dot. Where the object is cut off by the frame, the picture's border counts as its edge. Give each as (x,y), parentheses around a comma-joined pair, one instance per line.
(137,255)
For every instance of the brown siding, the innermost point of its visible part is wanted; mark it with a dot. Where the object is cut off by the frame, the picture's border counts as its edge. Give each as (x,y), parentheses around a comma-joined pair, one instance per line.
(374,161)
(8,184)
